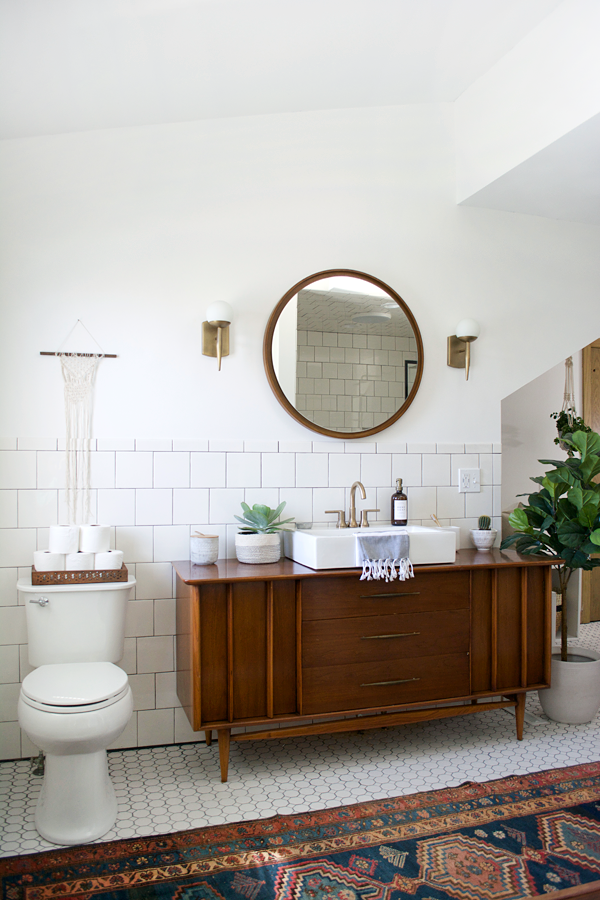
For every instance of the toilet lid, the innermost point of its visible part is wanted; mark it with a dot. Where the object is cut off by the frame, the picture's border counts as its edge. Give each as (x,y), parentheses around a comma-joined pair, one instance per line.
(75,684)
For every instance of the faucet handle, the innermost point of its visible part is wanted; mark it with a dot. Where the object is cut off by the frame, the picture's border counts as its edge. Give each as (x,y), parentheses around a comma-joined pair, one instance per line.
(341,514)
(364,517)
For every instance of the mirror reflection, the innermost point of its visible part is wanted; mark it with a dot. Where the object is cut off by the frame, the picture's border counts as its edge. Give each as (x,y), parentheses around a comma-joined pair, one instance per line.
(343,353)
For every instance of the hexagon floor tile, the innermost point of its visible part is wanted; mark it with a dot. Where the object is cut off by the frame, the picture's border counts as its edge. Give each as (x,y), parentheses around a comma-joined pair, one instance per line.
(166,789)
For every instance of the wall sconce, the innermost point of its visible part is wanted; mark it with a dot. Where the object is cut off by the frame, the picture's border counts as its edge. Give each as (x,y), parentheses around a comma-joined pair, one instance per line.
(459,345)
(215,331)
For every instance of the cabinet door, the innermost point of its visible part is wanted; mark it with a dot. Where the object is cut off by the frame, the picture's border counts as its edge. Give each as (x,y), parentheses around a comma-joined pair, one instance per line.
(247,648)
(510,628)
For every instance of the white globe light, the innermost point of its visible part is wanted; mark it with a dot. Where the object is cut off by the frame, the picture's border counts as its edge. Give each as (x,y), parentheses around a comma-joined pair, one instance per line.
(467,330)
(219,313)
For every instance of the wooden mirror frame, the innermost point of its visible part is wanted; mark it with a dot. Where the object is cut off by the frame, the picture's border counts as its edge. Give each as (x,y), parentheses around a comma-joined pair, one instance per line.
(270,370)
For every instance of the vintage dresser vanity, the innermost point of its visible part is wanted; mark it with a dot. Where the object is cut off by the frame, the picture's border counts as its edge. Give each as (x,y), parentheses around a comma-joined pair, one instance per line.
(284,645)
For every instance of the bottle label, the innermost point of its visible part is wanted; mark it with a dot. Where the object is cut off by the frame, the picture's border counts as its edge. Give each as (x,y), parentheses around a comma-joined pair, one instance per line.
(400,509)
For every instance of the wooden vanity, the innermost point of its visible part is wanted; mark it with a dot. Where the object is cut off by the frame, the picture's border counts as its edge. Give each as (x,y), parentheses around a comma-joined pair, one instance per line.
(263,645)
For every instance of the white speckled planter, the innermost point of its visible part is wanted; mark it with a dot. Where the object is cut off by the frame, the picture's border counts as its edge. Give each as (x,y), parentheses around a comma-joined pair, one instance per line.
(204,549)
(258,548)
(483,540)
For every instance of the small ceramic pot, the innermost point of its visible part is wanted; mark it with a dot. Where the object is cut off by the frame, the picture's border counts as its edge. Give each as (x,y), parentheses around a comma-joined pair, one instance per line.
(483,539)
(204,549)
(258,548)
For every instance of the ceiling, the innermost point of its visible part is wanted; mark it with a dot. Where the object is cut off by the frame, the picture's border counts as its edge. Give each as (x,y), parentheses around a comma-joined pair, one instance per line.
(333,312)
(78,65)
(75,65)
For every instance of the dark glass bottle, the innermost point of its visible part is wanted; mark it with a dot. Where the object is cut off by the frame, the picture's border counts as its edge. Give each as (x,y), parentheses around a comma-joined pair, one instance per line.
(399,505)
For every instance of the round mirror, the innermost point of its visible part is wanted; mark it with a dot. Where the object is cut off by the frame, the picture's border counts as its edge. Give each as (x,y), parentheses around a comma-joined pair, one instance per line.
(343,353)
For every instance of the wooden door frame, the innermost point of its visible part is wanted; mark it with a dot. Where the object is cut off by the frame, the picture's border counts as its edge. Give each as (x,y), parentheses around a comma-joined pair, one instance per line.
(588,409)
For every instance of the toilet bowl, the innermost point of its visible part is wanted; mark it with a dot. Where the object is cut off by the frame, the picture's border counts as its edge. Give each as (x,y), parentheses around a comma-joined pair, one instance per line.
(72,712)
(75,703)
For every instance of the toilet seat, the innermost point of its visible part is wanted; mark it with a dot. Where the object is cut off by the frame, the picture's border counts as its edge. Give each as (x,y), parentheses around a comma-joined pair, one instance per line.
(74,687)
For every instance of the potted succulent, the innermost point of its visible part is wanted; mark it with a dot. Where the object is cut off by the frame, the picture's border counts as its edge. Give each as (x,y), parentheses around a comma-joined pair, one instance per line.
(258,541)
(562,520)
(484,535)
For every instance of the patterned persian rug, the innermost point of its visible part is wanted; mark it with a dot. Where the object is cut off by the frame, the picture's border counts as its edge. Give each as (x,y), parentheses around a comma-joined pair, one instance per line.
(523,836)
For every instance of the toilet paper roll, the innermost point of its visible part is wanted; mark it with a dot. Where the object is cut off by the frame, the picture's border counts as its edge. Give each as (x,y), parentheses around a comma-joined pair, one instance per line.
(45,561)
(63,539)
(112,559)
(94,538)
(75,562)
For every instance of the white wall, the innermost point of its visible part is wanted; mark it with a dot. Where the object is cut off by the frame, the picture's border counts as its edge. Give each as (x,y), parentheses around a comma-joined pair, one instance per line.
(528,432)
(542,89)
(135,231)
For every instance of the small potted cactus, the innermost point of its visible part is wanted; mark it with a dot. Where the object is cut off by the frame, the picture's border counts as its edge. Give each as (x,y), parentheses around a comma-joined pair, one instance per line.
(258,540)
(484,536)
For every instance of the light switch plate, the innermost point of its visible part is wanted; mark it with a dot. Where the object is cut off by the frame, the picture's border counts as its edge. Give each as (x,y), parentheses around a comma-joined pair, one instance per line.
(469,481)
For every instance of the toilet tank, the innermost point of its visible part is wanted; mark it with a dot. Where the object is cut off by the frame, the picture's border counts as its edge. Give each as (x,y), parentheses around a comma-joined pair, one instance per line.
(83,623)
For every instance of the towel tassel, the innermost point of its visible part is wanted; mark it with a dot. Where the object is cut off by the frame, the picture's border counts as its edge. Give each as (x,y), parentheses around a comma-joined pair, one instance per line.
(388,569)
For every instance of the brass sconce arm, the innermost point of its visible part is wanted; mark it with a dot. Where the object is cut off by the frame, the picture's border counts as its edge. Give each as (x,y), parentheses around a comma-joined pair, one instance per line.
(215,331)
(459,345)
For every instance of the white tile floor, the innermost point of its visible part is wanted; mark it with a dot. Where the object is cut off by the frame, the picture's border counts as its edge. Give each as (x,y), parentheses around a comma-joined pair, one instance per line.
(166,789)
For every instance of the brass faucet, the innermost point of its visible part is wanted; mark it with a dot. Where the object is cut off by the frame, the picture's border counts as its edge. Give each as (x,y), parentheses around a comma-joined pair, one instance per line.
(353,523)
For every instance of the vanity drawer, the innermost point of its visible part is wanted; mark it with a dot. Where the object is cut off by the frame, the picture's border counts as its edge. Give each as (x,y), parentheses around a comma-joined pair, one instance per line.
(329,598)
(357,685)
(370,638)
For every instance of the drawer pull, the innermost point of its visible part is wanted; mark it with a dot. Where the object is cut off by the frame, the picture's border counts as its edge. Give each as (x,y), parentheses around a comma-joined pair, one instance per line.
(399,681)
(385,596)
(375,637)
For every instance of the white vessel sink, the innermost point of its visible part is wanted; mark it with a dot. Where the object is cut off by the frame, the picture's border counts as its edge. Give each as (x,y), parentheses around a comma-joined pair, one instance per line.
(327,547)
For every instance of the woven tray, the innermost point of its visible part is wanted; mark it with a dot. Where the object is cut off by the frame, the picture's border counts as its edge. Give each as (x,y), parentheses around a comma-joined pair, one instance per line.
(83,576)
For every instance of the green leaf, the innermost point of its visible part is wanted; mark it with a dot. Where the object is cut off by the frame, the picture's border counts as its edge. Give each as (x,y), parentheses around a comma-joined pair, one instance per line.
(518,519)
(586,442)
(559,463)
(590,466)
(587,515)
(595,537)
(571,534)
(562,478)
(575,496)
(593,497)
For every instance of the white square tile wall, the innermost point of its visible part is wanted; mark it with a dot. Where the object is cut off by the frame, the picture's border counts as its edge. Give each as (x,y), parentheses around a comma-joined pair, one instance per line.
(155,493)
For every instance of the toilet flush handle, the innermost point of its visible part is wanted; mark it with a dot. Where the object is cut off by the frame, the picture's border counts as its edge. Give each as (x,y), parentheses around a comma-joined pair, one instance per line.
(43,601)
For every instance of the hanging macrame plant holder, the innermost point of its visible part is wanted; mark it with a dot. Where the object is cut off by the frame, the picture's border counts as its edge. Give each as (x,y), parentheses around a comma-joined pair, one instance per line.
(569,395)
(568,406)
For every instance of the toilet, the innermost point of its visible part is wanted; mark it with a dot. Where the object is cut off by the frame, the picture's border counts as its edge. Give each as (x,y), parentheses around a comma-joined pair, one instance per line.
(75,702)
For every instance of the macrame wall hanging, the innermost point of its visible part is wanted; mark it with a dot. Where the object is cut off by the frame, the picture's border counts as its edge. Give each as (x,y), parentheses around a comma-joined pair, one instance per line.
(568,406)
(79,375)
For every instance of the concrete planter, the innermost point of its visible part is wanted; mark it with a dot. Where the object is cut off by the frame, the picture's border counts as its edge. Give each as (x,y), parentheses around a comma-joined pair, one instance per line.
(574,697)
(258,548)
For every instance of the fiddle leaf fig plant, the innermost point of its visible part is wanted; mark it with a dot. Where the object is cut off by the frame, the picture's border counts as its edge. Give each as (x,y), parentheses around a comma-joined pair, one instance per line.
(562,518)
(262,519)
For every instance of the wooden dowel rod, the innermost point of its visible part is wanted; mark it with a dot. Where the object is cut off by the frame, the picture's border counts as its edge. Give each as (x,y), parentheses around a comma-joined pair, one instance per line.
(55,353)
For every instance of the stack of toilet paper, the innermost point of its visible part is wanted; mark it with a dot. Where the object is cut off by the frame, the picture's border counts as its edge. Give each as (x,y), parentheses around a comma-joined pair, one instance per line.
(74,548)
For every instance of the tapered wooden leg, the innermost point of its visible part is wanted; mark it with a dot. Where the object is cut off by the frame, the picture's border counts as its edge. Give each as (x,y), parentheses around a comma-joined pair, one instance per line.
(208,738)
(520,714)
(224,738)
